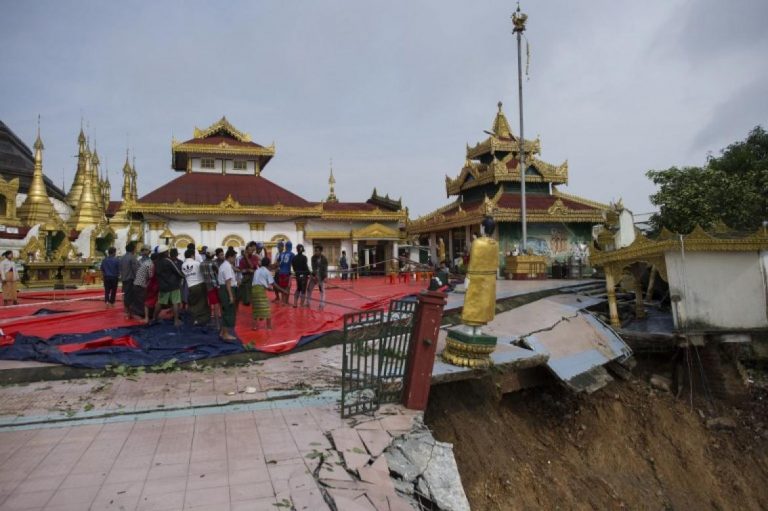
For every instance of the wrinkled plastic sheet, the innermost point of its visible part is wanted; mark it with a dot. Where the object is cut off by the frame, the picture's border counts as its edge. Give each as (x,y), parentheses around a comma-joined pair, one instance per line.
(130,346)
(35,332)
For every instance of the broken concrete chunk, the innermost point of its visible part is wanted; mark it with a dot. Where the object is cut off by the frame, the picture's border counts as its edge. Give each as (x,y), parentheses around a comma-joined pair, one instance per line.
(401,465)
(442,477)
(660,382)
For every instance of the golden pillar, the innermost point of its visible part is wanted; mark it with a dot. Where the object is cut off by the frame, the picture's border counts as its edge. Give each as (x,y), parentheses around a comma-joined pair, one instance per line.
(610,290)
(466,344)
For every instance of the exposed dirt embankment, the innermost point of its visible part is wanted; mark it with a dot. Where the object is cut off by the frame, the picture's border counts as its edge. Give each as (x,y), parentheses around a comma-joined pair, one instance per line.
(625,447)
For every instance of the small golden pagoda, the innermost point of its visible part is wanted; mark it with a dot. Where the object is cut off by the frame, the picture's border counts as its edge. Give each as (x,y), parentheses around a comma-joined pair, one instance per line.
(77,186)
(37,207)
(87,210)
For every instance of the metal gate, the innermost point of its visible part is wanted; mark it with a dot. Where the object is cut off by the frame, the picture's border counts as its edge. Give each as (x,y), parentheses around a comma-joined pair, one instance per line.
(375,353)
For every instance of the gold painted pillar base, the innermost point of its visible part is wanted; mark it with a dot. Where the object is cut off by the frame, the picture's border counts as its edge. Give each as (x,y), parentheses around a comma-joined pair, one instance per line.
(466,349)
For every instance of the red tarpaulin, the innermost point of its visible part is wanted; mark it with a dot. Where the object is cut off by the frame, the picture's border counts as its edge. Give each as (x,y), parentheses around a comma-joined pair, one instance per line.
(83,311)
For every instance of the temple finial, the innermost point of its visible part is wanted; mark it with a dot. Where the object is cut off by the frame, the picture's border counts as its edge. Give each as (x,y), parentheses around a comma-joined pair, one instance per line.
(38,141)
(331,183)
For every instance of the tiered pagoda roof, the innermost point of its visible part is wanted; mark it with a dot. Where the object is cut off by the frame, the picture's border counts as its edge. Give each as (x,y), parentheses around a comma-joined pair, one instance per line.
(489,183)
(221,138)
(496,160)
(219,194)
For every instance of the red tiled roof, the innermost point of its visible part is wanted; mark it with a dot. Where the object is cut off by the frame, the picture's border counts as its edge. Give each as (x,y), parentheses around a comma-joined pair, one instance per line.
(465,206)
(348,206)
(216,140)
(113,206)
(202,188)
(5,235)
(542,202)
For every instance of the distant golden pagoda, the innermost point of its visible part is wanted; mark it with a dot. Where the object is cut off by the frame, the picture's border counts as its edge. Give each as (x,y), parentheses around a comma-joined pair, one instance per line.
(77,185)
(87,210)
(331,183)
(37,207)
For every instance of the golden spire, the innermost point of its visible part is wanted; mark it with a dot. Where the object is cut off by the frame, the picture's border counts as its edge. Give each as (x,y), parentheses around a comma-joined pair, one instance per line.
(98,193)
(331,183)
(37,207)
(106,190)
(126,191)
(87,212)
(77,185)
(134,189)
(500,124)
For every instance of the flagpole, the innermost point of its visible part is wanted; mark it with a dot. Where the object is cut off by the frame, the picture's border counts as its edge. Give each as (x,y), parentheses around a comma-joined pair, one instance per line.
(518,20)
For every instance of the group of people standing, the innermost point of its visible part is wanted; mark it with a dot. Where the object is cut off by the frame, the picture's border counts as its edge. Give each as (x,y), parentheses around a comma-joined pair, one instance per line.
(212,283)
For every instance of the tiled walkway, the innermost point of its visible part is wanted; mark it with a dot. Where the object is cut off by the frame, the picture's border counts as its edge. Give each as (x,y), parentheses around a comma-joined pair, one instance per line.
(238,461)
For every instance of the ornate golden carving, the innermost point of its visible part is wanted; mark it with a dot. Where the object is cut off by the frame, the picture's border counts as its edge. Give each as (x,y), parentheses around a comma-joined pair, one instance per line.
(67,251)
(222,125)
(167,236)
(34,247)
(208,226)
(438,220)
(227,207)
(9,190)
(225,150)
(256,226)
(300,226)
(156,225)
(376,231)
(233,240)
(581,200)
(652,251)
(181,241)
(327,235)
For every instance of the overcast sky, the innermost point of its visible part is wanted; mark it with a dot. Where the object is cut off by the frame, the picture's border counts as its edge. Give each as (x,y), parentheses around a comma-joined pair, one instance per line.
(391,90)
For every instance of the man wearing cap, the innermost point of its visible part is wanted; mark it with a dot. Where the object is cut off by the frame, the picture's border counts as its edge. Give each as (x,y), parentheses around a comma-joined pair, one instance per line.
(8,276)
(169,279)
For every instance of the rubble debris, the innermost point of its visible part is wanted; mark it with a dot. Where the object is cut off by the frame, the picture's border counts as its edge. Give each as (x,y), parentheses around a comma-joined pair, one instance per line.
(662,383)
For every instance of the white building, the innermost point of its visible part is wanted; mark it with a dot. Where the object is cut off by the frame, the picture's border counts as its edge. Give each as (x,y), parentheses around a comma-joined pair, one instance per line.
(222,199)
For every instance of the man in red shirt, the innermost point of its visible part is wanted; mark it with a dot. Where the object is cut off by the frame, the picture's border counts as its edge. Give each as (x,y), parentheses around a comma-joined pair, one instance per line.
(248,265)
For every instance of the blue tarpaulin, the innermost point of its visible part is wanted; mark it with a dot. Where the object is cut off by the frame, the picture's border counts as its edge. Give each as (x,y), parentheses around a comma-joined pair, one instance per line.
(154,344)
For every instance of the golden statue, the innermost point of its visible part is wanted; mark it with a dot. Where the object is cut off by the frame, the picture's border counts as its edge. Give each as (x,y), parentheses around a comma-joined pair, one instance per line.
(440,250)
(466,344)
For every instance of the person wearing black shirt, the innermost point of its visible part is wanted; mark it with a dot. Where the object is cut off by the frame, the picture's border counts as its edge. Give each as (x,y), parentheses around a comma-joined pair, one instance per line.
(169,278)
(301,270)
(319,275)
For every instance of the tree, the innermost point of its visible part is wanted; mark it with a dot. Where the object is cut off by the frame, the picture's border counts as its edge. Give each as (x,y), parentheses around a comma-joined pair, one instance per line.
(731,188)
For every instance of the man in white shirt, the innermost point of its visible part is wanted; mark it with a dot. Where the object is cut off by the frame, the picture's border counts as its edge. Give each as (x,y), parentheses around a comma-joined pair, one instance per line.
(227,293)
(198,295)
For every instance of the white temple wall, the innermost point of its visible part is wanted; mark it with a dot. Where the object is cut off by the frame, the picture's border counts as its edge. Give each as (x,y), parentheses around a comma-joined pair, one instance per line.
(83,242)
(719,290)
(227,166)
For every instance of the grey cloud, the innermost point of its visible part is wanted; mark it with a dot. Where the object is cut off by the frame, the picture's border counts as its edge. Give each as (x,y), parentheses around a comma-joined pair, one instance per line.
(732,119)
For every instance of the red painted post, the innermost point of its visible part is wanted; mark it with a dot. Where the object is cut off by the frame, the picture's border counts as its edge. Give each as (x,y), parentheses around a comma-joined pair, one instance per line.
(421,359)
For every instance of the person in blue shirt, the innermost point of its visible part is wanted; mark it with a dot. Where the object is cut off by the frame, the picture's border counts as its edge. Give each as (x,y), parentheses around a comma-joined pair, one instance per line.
(110,271)
(285,262)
